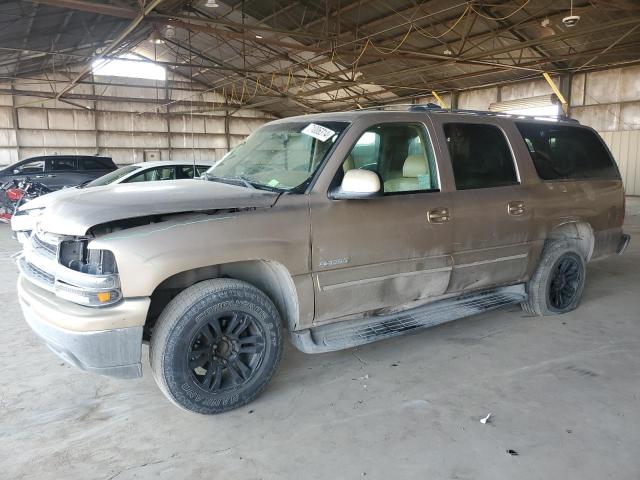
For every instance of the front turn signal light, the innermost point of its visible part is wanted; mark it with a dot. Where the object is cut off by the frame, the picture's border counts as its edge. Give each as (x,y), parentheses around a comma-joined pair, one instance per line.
(104,297)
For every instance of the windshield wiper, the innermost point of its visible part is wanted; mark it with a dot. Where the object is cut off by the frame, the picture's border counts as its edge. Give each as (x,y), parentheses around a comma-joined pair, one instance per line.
(234,180)
(244,181)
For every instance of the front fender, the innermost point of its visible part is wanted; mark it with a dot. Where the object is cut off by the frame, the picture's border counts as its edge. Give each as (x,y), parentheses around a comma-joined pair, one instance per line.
(149,254)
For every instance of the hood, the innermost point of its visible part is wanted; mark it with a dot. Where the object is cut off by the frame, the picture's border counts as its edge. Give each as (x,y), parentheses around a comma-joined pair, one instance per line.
(43,201)
(75,214)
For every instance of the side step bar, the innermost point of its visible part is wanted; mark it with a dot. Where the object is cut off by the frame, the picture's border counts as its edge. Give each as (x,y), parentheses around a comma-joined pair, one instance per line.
(351,333)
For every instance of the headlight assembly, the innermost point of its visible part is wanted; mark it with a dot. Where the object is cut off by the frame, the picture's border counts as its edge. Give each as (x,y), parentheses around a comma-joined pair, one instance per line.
(90,277)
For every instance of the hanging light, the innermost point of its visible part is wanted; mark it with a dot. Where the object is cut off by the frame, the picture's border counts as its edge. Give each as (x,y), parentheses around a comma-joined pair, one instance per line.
(211,4)
(155,37)
(169,31)
(572,20)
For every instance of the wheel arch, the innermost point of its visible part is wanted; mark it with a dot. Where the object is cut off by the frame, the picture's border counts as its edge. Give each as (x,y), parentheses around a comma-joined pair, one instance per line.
(579,233)
(270,276)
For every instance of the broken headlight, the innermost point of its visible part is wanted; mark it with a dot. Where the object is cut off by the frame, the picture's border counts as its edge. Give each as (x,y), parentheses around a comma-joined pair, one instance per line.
(90,277)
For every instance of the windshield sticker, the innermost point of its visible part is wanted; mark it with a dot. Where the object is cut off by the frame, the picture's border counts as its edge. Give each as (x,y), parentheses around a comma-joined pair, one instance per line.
(273,183)
(318,131)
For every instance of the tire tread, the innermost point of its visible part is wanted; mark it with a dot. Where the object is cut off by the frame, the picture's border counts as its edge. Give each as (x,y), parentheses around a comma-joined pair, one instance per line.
(173,313)
(536,303)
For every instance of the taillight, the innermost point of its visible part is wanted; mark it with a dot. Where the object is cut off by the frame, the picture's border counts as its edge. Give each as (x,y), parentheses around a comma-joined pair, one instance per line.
(14,194)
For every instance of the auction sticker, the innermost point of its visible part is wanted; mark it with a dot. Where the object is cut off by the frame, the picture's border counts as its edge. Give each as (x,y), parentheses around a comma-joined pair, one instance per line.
(318,131)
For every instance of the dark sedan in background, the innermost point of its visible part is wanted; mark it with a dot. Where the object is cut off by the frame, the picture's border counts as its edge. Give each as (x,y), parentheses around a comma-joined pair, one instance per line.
(58,171)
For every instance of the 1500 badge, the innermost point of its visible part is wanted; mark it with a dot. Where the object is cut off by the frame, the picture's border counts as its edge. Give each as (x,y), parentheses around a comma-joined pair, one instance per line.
(333,262)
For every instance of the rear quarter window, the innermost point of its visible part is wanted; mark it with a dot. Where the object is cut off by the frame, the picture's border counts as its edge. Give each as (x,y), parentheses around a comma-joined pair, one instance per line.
(564,152)
(98,163)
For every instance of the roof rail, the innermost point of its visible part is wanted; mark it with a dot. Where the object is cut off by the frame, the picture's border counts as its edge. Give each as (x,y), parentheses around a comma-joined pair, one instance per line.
(434,108)
(395,106)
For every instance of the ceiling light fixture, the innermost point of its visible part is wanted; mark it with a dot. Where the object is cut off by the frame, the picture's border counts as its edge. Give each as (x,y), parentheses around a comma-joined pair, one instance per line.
(572,20)
(155,37)
(169,31)
(259,37)
(211,4)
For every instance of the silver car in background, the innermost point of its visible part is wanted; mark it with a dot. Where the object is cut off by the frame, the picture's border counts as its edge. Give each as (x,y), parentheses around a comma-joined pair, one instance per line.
(23,221)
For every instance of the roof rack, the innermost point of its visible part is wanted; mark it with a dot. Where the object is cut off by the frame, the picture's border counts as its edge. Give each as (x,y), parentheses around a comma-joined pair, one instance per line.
(434,108)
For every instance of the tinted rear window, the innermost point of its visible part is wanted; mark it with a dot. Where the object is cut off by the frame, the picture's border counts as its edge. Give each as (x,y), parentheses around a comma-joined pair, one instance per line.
(97,164)
(61,164)
(480,156)
(561,152)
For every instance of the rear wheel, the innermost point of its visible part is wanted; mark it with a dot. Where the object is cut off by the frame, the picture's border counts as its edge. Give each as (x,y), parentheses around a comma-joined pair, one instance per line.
(216,346)
(558,283)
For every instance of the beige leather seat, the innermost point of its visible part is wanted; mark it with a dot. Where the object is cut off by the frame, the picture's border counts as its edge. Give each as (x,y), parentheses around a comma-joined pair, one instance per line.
(348,164)
(414,167)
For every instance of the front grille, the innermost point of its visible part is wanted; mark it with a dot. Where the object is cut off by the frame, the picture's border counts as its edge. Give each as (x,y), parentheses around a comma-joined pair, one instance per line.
(40,244)
(36,275)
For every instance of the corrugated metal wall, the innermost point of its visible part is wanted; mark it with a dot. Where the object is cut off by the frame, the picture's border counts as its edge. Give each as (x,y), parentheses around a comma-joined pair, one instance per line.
(625,146)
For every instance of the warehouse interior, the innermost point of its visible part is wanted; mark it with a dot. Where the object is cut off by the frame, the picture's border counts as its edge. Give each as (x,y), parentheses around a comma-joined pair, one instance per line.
(176,80)
(233,67)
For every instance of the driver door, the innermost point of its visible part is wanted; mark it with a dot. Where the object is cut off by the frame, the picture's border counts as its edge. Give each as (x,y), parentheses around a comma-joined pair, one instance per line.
(389,251)
(33,168)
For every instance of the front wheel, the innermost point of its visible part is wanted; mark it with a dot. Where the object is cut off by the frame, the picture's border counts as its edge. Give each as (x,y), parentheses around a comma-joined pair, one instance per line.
(557,285)
(216,346)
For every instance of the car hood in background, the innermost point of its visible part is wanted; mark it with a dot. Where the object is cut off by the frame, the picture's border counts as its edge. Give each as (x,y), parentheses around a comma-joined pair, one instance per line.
(43,201)
(76,214)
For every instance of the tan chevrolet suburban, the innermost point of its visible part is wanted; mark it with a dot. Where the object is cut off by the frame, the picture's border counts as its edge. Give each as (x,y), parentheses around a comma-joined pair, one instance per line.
(334,229)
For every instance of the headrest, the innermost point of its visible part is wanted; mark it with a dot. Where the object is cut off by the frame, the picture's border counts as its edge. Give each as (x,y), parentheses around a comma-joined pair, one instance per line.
(348,164)
(414,166)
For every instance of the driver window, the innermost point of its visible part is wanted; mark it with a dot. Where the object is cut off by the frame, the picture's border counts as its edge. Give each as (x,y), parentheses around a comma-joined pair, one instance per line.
(401,155)
(37,166)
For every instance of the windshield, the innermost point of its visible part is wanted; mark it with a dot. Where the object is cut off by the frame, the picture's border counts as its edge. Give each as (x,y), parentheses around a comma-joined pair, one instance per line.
(113,176)
(281,156)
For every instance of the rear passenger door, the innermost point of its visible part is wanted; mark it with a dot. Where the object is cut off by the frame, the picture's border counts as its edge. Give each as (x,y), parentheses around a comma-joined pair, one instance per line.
(491,216)
(61,172)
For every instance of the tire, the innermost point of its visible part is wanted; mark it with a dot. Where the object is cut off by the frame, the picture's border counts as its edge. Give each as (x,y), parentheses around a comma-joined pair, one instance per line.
(216,346)
(557,285)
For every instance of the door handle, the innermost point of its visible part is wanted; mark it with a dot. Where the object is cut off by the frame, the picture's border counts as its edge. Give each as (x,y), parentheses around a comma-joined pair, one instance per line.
(515,208)
(439,215)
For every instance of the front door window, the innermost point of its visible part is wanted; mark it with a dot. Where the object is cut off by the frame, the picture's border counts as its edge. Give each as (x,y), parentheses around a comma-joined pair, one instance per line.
(401,155)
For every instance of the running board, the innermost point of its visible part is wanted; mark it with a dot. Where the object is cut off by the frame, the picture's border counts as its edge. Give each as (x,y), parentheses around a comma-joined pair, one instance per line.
(351,333)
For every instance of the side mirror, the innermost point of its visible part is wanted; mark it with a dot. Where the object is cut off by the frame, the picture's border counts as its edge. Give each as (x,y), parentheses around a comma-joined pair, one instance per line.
(357,184)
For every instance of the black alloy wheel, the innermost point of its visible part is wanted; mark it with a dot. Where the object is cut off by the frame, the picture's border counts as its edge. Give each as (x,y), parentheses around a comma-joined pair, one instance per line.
(565,282)
(226,351)
(216,345)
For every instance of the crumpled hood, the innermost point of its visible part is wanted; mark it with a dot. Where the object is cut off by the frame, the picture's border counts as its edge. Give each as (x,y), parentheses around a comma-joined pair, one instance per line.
(75,214)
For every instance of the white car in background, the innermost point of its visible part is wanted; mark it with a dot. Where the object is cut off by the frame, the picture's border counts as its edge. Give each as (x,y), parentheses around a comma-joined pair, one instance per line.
(24,219)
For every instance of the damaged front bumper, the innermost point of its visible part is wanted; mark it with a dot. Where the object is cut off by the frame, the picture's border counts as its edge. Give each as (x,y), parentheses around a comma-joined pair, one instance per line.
(113,351)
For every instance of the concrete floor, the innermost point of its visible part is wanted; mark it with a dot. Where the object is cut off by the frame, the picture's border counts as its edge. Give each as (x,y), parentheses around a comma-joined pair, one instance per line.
(564,393)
